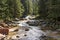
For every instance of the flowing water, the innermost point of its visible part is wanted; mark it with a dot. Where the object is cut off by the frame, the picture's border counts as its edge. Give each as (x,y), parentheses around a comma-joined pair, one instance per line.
(27,32)
(32,31)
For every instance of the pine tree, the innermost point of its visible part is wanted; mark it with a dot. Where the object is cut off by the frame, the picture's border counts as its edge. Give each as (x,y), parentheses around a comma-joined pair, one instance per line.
(19,8)
(3,9)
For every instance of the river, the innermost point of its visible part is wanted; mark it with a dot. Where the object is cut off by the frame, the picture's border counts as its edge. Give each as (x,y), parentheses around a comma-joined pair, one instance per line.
(30,31)
(27,32)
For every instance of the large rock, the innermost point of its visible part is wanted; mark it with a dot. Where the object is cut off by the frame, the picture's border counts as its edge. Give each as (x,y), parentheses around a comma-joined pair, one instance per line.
(33,22)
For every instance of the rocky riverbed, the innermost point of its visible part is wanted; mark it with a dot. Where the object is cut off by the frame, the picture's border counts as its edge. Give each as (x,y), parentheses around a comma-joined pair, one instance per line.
(30,30)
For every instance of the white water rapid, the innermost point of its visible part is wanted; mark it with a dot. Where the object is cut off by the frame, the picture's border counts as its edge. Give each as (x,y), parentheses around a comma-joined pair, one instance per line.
(27,32)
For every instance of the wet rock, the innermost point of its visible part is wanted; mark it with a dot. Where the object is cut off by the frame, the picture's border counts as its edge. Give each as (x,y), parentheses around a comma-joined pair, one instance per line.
(26,29)
(33,22)
(47,38)
(17,36)
(4,25)
(25,35)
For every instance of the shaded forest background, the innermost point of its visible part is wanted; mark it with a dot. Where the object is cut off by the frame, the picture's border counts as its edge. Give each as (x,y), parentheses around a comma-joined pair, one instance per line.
(49,10)
(10,9)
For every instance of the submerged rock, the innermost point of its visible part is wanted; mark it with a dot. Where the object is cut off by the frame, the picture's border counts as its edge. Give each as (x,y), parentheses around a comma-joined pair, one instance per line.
(28,32)
(33,22)
(33,33)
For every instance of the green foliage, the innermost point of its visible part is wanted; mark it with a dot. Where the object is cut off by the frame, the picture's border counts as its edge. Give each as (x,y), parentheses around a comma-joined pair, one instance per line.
(29,5)
(3,9)
(53,8)
(32,7)
(10,9)
(19,8)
